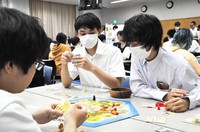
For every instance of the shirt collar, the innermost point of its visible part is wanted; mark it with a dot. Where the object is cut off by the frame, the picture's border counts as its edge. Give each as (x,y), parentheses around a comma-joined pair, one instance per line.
(152,64)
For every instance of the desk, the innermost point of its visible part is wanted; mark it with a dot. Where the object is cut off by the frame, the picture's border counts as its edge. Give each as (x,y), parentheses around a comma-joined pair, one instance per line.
(45,95)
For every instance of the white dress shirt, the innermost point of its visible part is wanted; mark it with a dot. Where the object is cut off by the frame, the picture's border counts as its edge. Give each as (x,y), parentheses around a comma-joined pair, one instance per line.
(168,44)
(14,117)
(195,47)
(107,57)
(169,68)
(194,33)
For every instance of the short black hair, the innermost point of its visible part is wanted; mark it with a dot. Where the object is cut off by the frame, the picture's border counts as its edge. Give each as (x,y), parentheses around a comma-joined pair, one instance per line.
(193,22)
(177,24)
(22,39)
(74,41)
(115,27)
(87,20)
(144,29)
(102,37)
(171,33)
(61,38)
(165,39)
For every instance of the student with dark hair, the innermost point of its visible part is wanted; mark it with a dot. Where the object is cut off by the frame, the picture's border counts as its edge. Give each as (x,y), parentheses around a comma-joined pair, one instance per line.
(74,42)
(114,34)
(170,35)
(156,73)
(177,25)
(57,50)
(23,43)
(102,37)
(97,64)
(194,30)
(123,46)
(181,42)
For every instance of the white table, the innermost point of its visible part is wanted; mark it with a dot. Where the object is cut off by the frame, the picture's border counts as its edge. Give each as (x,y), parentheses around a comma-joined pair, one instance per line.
(43,96)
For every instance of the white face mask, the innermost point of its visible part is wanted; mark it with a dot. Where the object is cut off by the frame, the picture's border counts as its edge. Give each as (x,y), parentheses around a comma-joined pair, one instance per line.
(140,52)
(177,28)
(89,40)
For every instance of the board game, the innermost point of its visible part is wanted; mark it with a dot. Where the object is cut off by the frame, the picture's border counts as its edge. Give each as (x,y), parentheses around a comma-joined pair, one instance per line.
(103,111)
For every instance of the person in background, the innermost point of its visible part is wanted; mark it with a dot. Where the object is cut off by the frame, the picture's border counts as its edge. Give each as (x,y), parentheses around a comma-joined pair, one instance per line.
(182,41)
(57,50)
(23,43)
(114,34)
(165,39)
(104,31)
(194,30)
(102,37)
(198,28)
(156,73)
(123,46)
(170,35)
(75,42)
(177,26)
(97,64)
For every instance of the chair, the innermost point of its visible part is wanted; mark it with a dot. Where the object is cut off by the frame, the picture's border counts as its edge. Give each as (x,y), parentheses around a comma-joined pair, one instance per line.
(51,63)
(125,82)
(198,59)
(48,74)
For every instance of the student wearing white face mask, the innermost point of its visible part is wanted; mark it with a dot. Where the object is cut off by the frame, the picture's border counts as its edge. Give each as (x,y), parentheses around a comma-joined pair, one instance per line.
(156,73)
(97,64)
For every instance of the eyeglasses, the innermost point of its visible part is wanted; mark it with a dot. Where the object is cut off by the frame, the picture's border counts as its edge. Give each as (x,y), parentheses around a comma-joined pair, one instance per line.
(39,65)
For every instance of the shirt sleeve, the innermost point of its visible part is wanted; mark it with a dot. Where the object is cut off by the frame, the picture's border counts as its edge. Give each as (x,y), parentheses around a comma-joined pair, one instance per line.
(191,82)
(116,66)
(14,117)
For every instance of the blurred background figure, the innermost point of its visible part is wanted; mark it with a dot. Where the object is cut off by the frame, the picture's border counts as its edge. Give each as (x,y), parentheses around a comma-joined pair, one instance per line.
(181,42)
(75,42)
(170,35)
(114,34)
(57,50)
(194,30)
(123,46)
(102,37)
(177,25)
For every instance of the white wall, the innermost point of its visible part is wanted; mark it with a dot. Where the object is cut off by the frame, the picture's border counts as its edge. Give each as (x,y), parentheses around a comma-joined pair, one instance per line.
(22,5)
(181,9)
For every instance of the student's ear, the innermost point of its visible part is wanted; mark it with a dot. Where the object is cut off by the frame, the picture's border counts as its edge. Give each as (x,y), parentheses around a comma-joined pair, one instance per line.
(8,67)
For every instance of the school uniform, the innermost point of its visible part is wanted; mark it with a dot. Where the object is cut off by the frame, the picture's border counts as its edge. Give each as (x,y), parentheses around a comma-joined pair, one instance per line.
(14,116)
(167,68)
(107,58)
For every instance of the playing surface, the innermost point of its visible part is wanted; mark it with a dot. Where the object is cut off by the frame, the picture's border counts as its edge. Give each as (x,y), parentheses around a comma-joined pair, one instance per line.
(103,111)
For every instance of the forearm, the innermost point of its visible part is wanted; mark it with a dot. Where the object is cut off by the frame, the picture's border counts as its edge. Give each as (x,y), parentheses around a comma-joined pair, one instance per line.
(65,76)
(70,127)
(107,79)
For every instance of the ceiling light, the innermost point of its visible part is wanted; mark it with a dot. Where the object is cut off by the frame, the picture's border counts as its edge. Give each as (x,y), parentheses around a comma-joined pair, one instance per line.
(118,1)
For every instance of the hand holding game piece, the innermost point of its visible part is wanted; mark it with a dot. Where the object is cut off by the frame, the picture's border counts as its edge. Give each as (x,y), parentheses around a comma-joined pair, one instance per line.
(177,104)
(44,115)
(75,115)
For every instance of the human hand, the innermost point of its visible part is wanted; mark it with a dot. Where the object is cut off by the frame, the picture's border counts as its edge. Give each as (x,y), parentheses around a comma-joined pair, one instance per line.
(75,115)
(177,104)
(82,62)
(175,92)
(66,57)
(44,115)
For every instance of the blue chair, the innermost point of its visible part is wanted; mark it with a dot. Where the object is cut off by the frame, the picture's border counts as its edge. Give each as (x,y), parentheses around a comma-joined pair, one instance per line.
(48,74)
(125,82)
(198,59)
